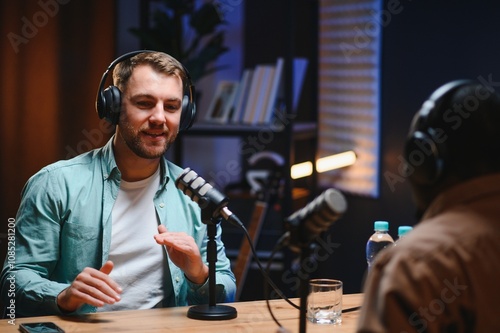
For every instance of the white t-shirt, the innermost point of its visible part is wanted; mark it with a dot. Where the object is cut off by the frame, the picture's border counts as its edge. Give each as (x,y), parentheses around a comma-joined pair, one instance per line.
(139,262)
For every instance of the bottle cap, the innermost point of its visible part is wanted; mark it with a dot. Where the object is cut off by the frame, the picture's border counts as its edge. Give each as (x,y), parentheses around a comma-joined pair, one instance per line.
(381,225)
(403,230)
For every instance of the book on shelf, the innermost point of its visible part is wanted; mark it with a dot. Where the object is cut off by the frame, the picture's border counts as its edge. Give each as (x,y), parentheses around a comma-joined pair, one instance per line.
(299,74)
(273,93)
(256,96)
(241,96)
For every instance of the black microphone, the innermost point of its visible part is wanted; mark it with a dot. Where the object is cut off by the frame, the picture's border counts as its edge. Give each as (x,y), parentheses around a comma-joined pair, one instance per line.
(205,195)
(213,207)
(317,216)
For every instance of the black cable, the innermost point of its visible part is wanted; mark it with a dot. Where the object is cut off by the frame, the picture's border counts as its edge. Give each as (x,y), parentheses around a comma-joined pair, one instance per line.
(265,272)
(236,221)
(355,308)
(279,246)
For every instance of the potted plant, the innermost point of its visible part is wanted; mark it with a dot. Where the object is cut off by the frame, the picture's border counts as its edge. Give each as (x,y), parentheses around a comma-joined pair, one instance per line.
(186,32)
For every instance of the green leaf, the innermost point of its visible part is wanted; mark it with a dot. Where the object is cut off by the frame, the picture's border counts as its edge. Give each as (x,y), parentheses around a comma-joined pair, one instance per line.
(205,19)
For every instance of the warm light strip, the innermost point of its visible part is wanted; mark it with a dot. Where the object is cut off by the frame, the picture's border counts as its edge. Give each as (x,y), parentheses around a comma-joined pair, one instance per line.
(335,161)
(301,170)
(323,164)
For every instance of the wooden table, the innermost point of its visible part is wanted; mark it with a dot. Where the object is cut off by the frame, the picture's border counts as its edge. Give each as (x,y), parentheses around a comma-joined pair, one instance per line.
(253,317)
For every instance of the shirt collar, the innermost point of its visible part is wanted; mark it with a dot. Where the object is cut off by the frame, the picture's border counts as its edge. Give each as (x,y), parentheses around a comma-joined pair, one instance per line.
(108,165)
(110,169)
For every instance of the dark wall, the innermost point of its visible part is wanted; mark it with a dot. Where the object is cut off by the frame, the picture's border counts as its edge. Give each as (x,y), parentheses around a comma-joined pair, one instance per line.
(425,43)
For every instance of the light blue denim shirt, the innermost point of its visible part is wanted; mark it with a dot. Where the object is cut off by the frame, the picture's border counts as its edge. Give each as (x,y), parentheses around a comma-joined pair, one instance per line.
(64,225)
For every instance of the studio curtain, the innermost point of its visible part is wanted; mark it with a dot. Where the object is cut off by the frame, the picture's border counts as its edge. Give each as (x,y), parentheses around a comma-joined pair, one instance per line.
(52,56)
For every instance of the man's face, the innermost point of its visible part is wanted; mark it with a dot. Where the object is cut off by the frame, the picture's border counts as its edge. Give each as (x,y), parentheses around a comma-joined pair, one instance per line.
(151,112)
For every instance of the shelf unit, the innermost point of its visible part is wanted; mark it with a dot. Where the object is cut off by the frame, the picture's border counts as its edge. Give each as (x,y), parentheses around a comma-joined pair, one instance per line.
(297,140)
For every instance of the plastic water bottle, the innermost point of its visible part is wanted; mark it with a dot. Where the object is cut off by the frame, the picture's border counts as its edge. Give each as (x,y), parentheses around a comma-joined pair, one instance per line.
(403,231)
(378,241)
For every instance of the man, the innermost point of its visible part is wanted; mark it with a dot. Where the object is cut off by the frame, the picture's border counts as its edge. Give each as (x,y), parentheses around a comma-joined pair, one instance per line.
(443,276)
(109,230)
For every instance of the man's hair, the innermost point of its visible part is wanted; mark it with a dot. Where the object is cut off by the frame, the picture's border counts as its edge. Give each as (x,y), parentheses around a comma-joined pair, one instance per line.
(470,119)
(159,61)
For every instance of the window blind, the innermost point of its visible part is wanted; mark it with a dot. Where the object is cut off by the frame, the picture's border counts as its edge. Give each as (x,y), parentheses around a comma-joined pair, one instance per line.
(349,102)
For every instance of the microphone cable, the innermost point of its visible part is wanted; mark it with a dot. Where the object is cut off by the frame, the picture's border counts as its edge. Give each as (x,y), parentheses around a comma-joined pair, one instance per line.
(269,281)
(265,272)
(279,245)
(281,242)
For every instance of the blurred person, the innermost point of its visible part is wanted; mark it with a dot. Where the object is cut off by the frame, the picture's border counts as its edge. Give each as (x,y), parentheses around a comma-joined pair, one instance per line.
(442,277)
(108,230)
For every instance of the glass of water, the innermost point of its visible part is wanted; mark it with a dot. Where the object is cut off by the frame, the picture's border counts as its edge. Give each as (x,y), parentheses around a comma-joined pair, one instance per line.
(324,302)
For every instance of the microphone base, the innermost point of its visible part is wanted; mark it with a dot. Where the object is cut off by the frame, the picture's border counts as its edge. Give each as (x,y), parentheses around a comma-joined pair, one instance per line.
(212,312)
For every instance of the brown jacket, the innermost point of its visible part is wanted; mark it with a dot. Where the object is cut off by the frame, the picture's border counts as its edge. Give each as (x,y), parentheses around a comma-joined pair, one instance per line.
(445,275)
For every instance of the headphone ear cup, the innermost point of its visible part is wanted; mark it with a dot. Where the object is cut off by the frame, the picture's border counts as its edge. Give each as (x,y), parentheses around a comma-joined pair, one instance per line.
(112,101)
(101,105)
(188,112)
(426,153)
(425,159)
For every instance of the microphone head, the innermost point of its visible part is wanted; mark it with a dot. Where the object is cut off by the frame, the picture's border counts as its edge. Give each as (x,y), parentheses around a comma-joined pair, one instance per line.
(201,192)
(317,216)
(193,186)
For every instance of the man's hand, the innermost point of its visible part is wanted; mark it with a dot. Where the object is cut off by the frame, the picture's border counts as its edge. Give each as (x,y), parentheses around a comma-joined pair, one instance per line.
(91,286)
(184,253)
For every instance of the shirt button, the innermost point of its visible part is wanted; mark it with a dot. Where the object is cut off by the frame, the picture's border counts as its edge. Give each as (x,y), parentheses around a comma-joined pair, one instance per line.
(177,279)
(162,205)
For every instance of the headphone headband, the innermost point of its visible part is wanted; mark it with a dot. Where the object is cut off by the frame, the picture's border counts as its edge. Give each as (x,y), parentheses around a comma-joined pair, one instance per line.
(108,101)
(434,102)
(425,155)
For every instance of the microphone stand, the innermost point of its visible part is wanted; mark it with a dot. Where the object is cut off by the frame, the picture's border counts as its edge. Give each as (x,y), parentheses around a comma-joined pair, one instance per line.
(304,289)
(211,311)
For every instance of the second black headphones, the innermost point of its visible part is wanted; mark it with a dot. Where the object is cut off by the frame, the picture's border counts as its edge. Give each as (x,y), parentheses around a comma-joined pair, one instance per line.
(108,101)
(429,168)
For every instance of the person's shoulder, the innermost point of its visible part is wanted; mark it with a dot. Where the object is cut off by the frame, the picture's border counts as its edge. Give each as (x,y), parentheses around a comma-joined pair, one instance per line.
(427,237)
(76,166)
(434,244)
(76,162)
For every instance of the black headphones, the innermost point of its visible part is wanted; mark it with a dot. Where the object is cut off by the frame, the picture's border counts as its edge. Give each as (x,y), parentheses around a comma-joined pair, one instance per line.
(430,164)
(108,101)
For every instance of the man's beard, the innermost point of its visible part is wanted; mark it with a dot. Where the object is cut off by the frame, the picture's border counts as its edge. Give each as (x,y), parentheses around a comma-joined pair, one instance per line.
(132,139)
